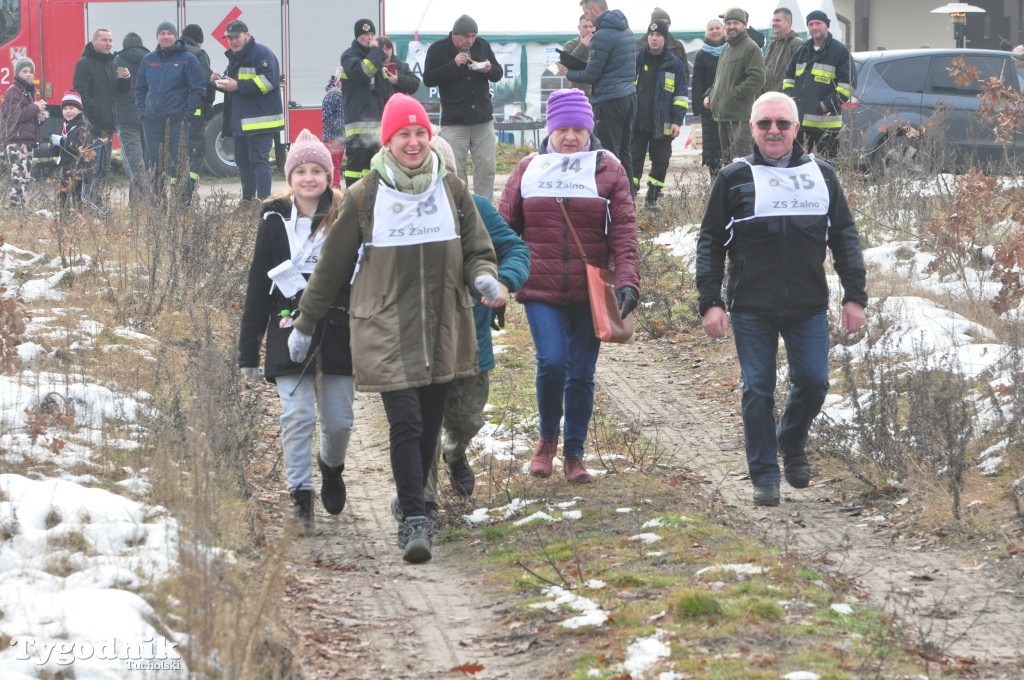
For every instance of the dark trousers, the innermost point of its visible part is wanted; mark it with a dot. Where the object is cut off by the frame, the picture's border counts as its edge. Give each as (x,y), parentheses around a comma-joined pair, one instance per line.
(824,143)
(196,147)
(735,138)
(165,138)
(252,156)
(414,419)
(660,149)
(613,127)
(710,146)
(358,153)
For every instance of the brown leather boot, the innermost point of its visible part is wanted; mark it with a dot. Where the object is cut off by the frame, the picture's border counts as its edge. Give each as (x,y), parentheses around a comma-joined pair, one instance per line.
(575,473)
(543,458)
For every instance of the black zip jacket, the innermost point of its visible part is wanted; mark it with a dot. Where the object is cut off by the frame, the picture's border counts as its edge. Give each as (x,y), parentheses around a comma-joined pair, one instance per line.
(776,264)
(465,94)
(262,312)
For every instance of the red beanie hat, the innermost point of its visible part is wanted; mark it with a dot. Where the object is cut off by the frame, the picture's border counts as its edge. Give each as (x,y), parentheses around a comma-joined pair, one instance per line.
(402,110)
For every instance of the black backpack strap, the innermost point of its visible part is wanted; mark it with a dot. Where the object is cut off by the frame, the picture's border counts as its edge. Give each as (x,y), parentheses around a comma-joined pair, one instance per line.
(366,201)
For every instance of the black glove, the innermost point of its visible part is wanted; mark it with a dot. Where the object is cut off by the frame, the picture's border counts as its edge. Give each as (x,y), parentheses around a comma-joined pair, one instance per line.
(627,298)
(498,318)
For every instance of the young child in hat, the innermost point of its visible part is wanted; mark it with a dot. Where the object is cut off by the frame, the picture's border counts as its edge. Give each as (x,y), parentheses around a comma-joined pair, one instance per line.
(74,147)
(291,232)
(20,116)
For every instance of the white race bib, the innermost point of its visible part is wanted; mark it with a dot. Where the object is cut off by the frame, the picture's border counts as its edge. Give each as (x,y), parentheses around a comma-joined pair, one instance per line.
(789,191)
(407,219)
(305,251)
(561,175)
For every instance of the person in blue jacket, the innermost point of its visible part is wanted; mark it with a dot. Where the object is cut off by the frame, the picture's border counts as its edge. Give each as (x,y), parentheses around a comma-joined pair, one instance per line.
(463,411)
(169,94)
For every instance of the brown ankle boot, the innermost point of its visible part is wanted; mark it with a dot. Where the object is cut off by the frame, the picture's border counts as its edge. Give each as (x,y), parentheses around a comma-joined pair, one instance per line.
(575,473)
(543,458)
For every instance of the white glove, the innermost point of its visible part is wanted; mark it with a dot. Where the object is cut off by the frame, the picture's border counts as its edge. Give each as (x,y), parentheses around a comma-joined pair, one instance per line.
(251,373)
(487,285)
(55,140)
(298,345)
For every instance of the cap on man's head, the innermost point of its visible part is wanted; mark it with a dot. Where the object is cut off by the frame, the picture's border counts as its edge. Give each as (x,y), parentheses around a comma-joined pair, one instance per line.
(166,26)
(659,13)
(658,26)
(235,29)
(71,98)
(364,26)
(465,25)
(735,14)
(818,15)
(193,31)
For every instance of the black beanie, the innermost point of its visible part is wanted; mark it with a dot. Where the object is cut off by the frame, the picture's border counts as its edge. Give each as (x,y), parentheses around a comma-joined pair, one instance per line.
(465,25)
(364,26)
(820,16)
(193,31)
(131,40)
(658,26)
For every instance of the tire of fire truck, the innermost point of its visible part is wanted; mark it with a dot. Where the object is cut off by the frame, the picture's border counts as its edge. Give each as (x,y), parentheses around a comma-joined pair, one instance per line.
(220,150)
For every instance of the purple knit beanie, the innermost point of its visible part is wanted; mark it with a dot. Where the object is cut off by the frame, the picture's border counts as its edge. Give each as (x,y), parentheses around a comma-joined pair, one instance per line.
(569,108)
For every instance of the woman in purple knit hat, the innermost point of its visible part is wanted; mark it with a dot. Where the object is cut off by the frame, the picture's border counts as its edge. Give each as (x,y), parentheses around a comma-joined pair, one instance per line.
(573,170)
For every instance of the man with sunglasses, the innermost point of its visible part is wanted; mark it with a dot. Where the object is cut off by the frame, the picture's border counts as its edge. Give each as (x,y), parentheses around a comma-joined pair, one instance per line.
(774,213)
(821,78)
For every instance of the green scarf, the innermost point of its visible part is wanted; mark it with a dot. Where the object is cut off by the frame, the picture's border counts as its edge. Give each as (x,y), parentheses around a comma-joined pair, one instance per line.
(407,180)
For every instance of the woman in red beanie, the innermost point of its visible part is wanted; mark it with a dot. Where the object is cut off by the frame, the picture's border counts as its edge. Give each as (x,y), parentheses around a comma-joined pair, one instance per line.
(571,171)
(288,243)
(411,242)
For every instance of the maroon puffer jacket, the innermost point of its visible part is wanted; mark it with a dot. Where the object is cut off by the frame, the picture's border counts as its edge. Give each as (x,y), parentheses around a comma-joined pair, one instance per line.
(556,269)
(18,114)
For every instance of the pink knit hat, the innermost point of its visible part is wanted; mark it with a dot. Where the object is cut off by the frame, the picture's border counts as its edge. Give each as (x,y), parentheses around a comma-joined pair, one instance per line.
(308,149)
(402,110)
(569,108)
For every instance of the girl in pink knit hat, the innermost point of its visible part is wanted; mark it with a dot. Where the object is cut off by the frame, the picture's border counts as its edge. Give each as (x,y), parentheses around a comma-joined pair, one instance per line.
(291,232)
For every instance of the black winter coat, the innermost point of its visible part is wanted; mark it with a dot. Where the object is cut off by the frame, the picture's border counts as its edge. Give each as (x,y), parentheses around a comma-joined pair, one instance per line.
(130,58)
(96,80)
(262,311)
(704,66)
(204,63)
(776,263)
(465,93)
(365,86)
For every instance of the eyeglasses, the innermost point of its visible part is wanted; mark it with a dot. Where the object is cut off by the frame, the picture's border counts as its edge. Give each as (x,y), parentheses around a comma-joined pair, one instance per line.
(766,124)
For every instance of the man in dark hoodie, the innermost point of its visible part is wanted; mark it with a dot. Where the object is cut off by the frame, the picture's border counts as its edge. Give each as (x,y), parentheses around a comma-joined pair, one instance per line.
(129,125)
(98,81)
(611,70)
(192,36)
(169,94)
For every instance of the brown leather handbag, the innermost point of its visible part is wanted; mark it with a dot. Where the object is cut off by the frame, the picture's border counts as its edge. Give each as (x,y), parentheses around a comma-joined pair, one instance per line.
(609,326)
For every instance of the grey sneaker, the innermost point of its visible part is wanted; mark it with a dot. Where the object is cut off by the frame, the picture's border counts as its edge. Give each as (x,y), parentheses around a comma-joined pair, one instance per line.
(415,539)
(766,494)
(796,468)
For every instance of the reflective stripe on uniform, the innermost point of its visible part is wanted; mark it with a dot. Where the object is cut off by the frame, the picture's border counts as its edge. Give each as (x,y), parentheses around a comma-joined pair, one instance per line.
(364,127)
(261,81)
(356,173)
(670,84)
(822,122)
(263,122)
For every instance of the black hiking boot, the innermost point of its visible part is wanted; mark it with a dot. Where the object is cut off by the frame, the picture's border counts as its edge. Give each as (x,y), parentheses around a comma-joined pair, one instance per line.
(332,489)
(415,539)
(767,494)
(462,477)
(651,200)
(302,499)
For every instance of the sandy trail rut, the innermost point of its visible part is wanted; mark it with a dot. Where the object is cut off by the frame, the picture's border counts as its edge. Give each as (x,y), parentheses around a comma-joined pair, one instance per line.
(952,603)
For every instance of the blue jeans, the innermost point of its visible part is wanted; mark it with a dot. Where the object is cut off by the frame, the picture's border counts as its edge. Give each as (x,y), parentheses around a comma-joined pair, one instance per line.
(164,140)
(567,350)
(252,156)
(96,177)
(757,346)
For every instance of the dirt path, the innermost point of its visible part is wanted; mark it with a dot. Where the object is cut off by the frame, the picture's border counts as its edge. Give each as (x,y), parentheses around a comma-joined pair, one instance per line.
(953,604)
(356,610)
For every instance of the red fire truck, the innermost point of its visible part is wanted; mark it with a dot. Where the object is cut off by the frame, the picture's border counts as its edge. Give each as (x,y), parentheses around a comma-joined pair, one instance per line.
(308,37)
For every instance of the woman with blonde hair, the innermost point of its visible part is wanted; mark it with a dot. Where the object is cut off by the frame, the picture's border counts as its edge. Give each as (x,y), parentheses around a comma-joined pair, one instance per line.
(292,230)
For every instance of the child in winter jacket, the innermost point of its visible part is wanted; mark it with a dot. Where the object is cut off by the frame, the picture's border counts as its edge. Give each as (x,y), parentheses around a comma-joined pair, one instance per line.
(333,119)
(20,116)
(74,146)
